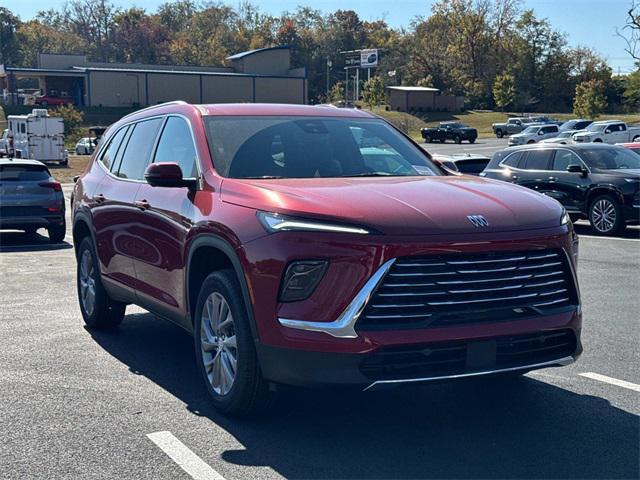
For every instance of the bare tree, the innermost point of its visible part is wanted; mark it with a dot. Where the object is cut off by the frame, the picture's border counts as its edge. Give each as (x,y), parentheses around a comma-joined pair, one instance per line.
(631,30)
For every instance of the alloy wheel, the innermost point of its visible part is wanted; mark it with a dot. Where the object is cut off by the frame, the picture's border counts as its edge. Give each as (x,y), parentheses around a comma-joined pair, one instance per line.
(603,215)
(218,343)
(87,282)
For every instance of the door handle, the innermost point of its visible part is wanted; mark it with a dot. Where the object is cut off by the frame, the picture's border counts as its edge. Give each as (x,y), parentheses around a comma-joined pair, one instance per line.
(142,204)
(514,177)
(99,198)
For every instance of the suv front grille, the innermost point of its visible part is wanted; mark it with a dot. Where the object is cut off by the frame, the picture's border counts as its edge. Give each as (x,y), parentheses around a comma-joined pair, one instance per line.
(422,292)
(454,358)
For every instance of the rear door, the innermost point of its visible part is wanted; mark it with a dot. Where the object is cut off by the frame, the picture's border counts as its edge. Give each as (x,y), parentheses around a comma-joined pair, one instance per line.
(535,170)
(165,216)
(114,213)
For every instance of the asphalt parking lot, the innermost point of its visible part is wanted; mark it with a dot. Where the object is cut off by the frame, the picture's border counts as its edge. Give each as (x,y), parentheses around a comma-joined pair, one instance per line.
(130,403)
(482,146)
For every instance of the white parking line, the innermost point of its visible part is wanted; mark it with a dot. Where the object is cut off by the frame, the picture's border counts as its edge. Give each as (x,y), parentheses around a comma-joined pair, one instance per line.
(609,238)
(185,458)
(612,381)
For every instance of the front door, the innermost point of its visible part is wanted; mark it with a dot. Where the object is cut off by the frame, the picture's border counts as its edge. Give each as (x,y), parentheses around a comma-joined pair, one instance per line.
(166,216)
(568,188)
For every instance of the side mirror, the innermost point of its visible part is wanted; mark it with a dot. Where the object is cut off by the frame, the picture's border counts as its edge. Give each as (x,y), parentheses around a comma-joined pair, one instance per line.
(540,132)
(575,168)
(607,131)
(167,174)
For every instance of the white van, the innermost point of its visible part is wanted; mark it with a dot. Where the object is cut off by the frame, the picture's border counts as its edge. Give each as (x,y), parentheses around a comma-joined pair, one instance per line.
(38,136)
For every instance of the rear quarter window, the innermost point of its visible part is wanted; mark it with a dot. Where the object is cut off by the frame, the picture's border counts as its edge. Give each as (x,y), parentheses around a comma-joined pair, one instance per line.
(513,160)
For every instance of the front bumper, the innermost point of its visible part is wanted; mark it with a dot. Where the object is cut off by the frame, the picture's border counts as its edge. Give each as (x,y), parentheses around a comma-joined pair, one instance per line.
(421,362)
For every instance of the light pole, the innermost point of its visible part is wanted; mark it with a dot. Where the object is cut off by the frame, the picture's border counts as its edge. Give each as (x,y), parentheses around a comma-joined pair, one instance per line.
(329,64)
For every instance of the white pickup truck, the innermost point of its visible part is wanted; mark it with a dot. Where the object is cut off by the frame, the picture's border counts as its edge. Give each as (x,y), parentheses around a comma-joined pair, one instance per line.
(608,131)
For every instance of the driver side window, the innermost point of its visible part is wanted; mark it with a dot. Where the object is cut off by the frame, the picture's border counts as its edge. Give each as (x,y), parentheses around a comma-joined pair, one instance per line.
(564,158)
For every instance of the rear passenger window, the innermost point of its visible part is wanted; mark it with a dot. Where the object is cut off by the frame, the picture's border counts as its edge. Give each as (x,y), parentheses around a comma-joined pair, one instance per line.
(538,160)
(513,160)
(176,145)
(111,151)
(137,152)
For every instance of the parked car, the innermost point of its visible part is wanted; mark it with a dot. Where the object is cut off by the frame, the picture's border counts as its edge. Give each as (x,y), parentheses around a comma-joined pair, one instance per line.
(634,147)
(575,124)
(465,163)
(49,100)
(85,146)
(294,259)
(513,125)
(563,137)
(545,119)
(4,143)
(608,131)
(533,134)
(30,199)
(593,181)
(450,131)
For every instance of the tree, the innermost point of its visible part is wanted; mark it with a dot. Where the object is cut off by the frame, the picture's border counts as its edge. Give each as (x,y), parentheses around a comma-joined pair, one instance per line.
(336,94)
(9,23)
(71,116)
(589,101)
(141,38)
(630,32)
(504,90)
(631,93)
(373,92)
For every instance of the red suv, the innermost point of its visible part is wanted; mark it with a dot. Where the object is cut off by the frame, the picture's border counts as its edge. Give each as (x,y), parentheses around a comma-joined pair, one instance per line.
(317,246)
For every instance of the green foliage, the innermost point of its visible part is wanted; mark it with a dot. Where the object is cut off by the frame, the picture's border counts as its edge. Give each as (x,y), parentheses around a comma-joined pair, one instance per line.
(462,47)
(589,101)
(631,93)
(336,94)
(72,117)
(373,92)
(504,90)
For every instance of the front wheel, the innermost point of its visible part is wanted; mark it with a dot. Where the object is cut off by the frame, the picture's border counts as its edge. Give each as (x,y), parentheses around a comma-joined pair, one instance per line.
(499,133)
(98,310)
(427,139)
(605,215)
(457,139)
(225,351)
(472,140)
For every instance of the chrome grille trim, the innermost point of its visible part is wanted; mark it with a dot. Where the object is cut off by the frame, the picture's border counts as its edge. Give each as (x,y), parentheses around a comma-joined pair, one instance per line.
(469,287)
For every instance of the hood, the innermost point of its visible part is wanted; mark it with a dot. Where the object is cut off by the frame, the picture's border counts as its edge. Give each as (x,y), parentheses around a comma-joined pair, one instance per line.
(401,205)
(620,172)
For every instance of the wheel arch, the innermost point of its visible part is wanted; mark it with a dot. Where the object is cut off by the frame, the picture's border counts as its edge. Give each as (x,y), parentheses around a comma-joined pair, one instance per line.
(598,190)
(206,254)
(81,229)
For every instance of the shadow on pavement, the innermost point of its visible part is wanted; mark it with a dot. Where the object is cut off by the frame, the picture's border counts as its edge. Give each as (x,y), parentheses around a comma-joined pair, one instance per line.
(22,242)
(476,429)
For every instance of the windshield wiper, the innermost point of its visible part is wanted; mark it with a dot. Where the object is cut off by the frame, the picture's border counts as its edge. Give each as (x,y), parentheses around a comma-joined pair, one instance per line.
(370,174)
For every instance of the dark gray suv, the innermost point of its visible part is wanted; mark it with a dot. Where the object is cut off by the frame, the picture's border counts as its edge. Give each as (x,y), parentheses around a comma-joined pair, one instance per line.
(30,199)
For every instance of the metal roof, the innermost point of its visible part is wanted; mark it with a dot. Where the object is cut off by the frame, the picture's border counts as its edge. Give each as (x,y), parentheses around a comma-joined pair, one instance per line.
(415,89)
(240,55)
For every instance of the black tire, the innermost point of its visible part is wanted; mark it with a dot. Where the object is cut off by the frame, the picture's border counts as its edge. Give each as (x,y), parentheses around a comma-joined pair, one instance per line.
(427,139)
(636,139)
(457,139)
(610,205)
(530,142)
(499,133)
(472,140)
(443,140)
(249,393)
(57,232)
(106,312)
(597,140)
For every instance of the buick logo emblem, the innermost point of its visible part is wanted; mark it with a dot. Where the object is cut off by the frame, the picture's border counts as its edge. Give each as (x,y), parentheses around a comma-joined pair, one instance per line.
(478,221)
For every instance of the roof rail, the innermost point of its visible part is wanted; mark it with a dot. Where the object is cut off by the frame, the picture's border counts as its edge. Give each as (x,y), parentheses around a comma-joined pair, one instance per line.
(174,102)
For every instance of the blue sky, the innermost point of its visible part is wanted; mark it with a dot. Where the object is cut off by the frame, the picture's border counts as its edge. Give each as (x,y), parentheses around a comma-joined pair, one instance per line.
(586,22)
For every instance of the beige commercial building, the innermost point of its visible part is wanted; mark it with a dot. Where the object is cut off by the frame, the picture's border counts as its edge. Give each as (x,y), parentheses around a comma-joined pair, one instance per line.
(427,99)
(263,75)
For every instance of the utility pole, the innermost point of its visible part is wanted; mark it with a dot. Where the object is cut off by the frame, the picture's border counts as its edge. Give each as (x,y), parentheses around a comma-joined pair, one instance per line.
(329,64)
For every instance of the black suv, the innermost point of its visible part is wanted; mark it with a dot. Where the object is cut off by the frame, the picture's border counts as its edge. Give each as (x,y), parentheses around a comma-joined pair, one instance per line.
(594,181)
(449,131)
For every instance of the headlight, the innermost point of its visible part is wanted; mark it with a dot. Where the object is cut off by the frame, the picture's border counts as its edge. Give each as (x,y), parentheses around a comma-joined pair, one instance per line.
(274,222)
(632,180)
(565,219)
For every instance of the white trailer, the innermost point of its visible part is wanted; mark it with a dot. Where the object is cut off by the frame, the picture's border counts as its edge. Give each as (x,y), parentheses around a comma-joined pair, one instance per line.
(38,136)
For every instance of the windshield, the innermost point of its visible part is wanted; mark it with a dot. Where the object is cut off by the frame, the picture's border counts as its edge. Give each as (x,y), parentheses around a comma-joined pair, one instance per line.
(613,158)
(529,130)
(596,128)
(311,147)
